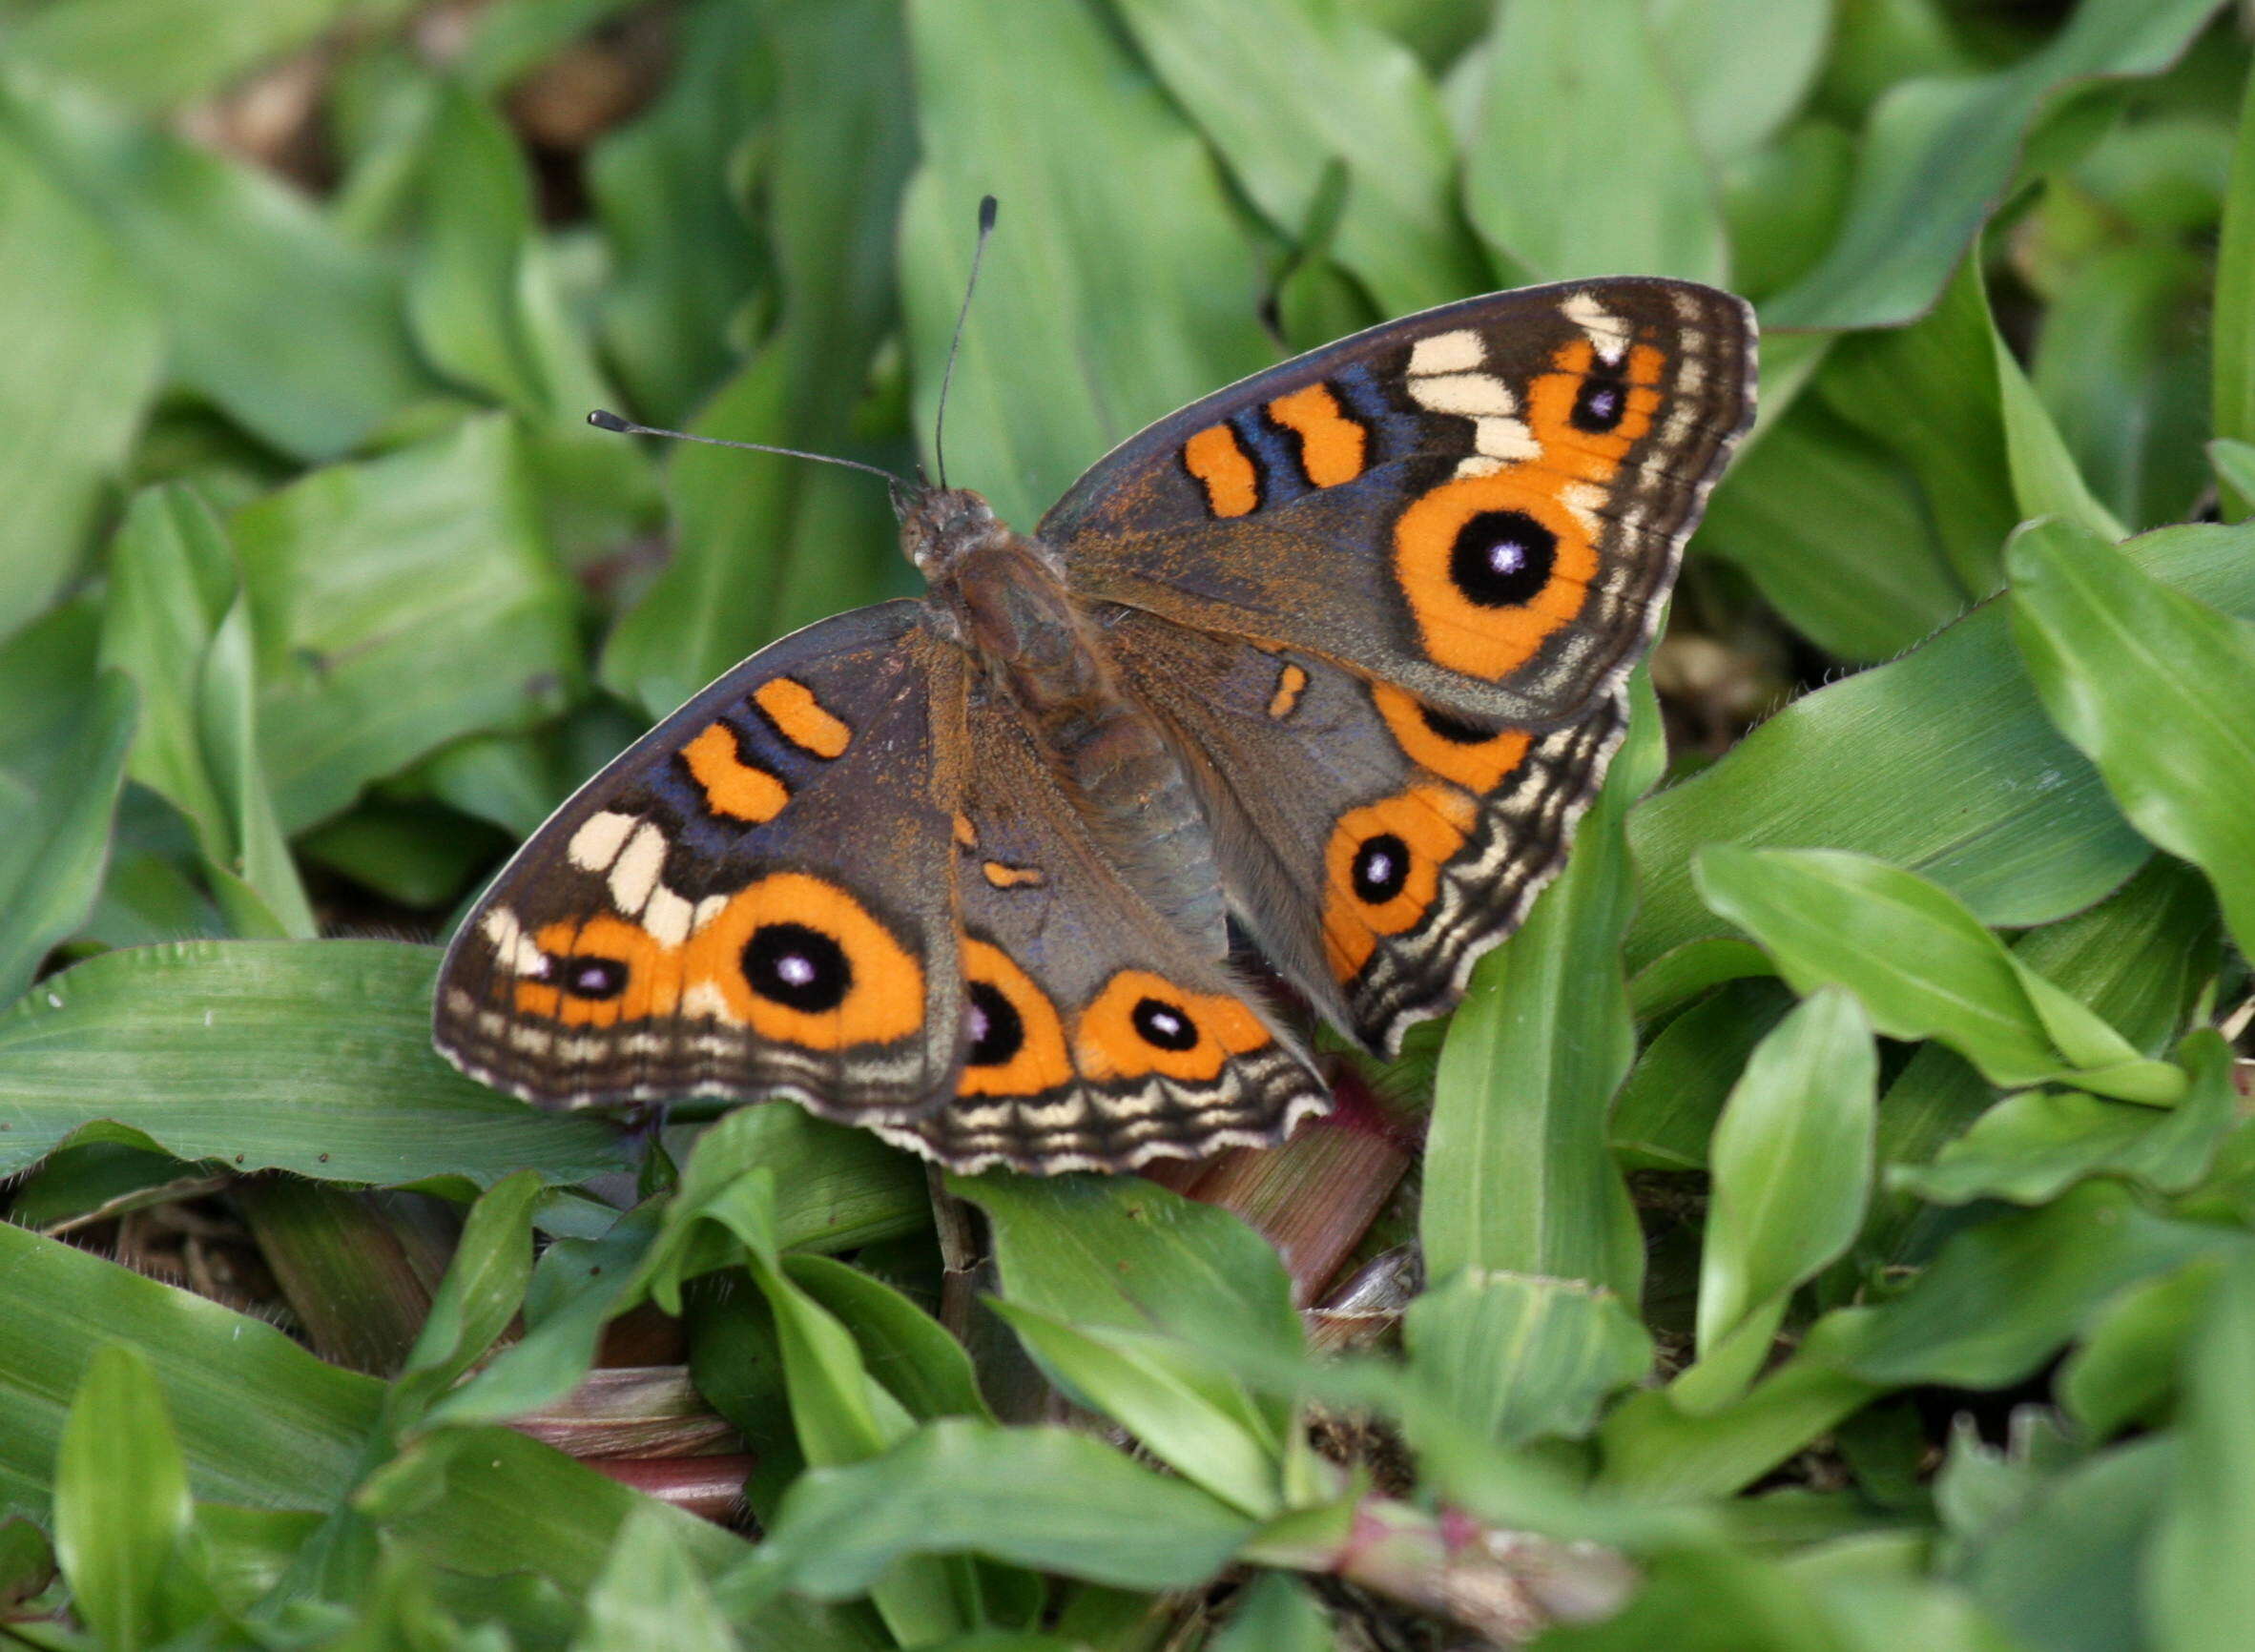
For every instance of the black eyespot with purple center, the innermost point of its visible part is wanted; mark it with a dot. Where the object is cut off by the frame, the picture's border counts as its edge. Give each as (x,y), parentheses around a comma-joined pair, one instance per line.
(1599,404)
(1502,558)
(1381,868)
(592,978)
(1163,1026)
(997,1030)
(798,967)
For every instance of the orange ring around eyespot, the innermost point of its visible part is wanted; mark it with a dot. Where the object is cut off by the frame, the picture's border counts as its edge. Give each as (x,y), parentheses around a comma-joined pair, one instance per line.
(1042,1062)
(1463,636)
(1108,1047)
(653,974)
(1479,767)
(1431,824)
(883,1004)
(1590,455)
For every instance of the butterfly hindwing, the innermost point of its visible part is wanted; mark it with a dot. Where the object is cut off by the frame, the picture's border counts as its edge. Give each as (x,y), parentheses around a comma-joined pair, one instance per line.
(1373,845)
(753,899)
(1483,503)
(1099,1035)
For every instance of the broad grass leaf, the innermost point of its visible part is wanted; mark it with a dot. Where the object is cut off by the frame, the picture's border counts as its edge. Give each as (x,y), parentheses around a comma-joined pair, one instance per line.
(2001,1299)
(2003,1296)
(214,240)
(1518,1358)
(1582,160)
(1519,1175)
(902,1347)
(398,605)
(2128,1365)
(2140,959)
(481,1293)
(1791,1170)
(1781,206)
(83,347)
(1043,1497)
(484,301)
(665,188)
(2201,1591)
(1276,1614)
(1668,1108)
(833,1188)
(62,752)
(1284,89)
(762,547)
(122,1516)
(259,1419)
(1188,1414)
(2120,365)
(649,1594)
(2064,1571)
(308,1057)
(1930,393)
(2031,1146)
(175,620)
(1085,328)
(2031,834)
(1741,67)
(490,1501)
(2154,687)
(2232,363)
(158,54)
(1923,966)
(1833,530)
(2045,480)
(1125,1253)
(1938,153)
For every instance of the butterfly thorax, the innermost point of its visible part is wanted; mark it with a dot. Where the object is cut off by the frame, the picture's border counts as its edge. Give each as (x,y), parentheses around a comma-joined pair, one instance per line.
(1004,597)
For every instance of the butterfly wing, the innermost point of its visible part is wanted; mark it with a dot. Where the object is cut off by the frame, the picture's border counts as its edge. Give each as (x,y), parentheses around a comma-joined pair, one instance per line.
(1099,1036)
(1483,503)
(1371,844)
(753,899)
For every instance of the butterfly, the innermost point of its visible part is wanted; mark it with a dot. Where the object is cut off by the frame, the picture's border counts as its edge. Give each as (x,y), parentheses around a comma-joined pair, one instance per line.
(1330,661)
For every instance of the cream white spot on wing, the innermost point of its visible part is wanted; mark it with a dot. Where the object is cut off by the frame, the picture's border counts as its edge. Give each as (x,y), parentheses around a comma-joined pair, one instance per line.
(668,919)
(513,950)
(1479,464)
(1504,439)
(705,1001)
(596,844)
(634,873)
(706,910)
(1456,352)
(1606,331)
(1467,395)
(1582,498)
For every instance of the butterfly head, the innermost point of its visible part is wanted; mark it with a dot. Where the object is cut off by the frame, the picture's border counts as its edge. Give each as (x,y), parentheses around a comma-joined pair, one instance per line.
(939,526)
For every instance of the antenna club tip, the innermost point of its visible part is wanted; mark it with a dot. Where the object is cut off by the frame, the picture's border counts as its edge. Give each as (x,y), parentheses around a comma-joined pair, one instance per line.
(986,210)
(604,419)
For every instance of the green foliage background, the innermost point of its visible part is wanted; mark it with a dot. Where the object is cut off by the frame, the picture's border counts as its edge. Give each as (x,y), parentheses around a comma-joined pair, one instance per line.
(1931,1321)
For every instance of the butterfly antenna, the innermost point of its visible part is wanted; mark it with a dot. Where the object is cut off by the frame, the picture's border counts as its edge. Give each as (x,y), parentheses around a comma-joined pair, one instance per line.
(603,418)
(987,209)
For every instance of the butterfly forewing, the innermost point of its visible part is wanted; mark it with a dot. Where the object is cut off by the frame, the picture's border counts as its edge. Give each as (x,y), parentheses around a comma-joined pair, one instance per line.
(1484,504)
(753,899)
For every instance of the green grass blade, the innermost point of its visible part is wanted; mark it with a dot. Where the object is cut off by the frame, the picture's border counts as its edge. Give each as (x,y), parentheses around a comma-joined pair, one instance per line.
(1581,161)
(2154,688)
(308,1057)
